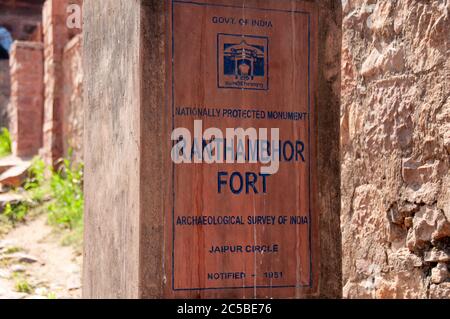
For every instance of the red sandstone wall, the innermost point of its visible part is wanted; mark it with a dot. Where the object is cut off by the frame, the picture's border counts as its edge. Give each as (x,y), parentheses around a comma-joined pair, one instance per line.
(55,38)
(47,92)
(72,99)
(62,91)
(26,66)
(4,92)
(395,134)
(21,17)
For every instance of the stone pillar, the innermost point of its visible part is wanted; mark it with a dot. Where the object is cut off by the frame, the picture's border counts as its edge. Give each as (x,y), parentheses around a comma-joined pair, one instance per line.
(5,91)
(27,102)
(146,60)
(72,104)
(56,35)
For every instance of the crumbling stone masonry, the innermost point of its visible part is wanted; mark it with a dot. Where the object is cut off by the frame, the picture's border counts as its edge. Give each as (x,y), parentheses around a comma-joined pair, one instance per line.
(27,88)
(72,99)
(55,37)
(46,84)
(5,91)
(21,17)
(395,147)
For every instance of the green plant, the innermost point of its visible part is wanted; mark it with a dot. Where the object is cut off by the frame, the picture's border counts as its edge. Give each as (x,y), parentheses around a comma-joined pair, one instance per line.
(35,184)
(12,250)
(23,286)
(16,213)
(36,174)
(66,209)
(5,142)
(58,193)
(51,295)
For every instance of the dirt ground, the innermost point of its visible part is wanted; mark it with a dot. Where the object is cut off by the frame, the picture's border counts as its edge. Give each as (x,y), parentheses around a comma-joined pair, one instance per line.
(34,264)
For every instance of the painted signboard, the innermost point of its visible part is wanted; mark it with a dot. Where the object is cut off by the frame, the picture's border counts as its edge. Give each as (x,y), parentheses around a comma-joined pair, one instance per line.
(242,83)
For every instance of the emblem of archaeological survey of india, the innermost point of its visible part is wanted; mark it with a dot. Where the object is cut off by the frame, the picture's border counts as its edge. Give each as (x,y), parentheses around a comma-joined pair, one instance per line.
(242,62)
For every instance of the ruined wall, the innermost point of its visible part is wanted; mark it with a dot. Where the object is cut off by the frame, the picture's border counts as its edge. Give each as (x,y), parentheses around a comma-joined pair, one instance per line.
(73,99)
(4,92)
(53,80)
(56,36)
(27,99)
(21,17)
(395,146)
(61,90)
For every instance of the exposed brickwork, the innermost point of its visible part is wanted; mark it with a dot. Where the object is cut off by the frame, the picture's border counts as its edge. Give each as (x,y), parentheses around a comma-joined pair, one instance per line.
(72,99)
(37,35)
(4,92)
(21,17)
(56,36)
(27,88)
(46,23)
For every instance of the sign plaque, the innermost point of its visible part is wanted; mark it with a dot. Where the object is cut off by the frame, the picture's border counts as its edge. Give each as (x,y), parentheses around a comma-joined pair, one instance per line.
(242,219)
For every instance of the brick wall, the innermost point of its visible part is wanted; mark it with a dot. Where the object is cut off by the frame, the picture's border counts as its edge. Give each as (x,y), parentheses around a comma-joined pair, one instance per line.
(45,115)
(56,36)
(72,99)
(4,92)
(26,66)
(62,83)
(21,17)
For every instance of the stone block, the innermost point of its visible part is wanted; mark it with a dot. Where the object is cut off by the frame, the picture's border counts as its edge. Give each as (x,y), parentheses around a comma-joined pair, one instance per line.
(128,122)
